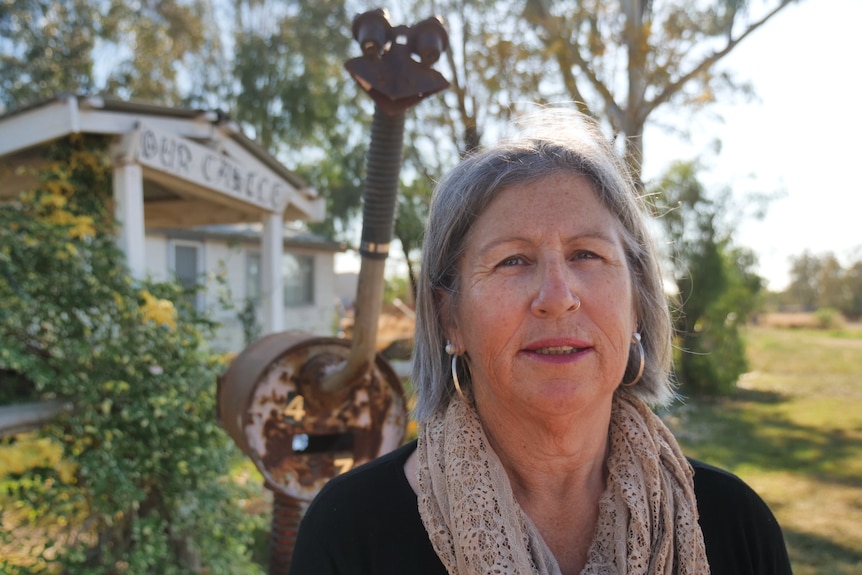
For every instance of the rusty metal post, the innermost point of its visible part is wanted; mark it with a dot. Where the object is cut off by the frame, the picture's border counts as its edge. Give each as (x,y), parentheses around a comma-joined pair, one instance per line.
(396,82)
(286,515)
(306,409)
(271,404)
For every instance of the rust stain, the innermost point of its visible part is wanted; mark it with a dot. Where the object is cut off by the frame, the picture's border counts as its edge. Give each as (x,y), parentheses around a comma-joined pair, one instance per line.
(302,436)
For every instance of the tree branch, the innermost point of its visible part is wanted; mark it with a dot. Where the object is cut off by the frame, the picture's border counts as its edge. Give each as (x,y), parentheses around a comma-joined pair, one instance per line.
(674,87)
(568,59)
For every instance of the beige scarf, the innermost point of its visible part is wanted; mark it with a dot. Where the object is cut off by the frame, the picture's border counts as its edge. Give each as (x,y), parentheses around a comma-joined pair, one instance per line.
(647,515)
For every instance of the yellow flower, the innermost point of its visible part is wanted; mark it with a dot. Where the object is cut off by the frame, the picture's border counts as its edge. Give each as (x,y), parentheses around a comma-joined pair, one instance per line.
(412,429)
(53,201)
(59,187)
(86,160)
(82,228)
(61,218)
(160,311)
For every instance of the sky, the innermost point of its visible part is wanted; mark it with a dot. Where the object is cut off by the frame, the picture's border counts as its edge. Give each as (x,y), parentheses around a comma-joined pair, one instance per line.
(800,137)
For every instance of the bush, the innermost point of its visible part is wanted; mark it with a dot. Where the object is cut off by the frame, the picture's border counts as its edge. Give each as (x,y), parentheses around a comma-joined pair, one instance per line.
(829,318)
(142,488)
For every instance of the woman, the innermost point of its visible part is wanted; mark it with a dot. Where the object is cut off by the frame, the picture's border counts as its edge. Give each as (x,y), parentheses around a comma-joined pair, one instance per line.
(542,336)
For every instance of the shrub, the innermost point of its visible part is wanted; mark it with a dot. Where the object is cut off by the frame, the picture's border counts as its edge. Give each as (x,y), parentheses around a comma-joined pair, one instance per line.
(143,487)
(829,318)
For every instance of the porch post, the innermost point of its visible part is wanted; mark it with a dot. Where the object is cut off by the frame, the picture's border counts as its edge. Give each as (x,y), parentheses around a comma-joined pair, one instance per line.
(129,212)
(272,246)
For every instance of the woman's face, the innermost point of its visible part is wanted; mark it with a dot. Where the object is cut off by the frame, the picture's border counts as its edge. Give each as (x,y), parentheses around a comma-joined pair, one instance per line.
(545,312)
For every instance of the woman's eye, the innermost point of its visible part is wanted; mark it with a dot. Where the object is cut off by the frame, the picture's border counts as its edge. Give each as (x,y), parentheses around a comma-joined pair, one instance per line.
(511,261)
(585,255)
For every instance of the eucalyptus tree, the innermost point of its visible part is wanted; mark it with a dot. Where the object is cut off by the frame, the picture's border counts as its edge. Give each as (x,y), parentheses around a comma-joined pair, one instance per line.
(141,50)
(293,95)
(46,47)
(622,61)
(618,62)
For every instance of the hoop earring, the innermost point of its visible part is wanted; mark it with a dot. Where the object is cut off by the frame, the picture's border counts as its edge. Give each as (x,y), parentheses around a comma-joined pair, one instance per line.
(453,351)
(636,340)
(455,378)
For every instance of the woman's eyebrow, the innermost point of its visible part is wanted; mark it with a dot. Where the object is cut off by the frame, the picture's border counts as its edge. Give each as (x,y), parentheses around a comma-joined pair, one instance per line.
(600,235)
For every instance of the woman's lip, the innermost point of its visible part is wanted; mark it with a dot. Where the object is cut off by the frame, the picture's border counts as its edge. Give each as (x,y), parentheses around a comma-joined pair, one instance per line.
(556,344)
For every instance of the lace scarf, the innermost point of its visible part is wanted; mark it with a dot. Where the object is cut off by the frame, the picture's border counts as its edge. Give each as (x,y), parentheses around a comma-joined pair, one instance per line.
(647,520)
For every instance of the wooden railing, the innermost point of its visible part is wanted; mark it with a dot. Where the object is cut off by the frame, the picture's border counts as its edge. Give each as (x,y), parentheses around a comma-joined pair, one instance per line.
(30,416)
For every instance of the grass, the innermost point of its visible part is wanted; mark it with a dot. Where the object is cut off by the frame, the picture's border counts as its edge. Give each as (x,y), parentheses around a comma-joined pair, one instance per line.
(793,431)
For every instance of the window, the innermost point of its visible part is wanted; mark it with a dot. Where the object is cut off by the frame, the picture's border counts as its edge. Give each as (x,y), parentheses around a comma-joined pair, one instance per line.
(298,275)
(254,277)
(187,268)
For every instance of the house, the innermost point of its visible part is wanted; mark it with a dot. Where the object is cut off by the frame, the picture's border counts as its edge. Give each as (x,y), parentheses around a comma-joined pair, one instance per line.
(196,199)
(309,300)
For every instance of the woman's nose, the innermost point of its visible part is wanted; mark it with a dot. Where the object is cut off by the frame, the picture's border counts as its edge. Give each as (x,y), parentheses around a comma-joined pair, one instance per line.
(555,295)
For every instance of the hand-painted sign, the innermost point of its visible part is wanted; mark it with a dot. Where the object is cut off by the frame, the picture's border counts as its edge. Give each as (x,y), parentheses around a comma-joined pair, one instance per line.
(206,167)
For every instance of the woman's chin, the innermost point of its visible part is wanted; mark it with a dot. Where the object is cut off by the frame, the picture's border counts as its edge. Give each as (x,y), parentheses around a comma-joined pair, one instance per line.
(566,399)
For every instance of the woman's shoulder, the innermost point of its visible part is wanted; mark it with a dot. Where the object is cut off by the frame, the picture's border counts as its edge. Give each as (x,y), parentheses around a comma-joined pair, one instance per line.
(741,533)
(366,521)
(365,485)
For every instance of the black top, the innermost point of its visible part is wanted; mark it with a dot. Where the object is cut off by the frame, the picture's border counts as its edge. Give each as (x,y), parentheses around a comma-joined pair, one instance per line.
(366,522)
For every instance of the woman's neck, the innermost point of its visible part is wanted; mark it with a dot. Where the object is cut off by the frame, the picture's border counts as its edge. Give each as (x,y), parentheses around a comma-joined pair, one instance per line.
(543,455)
(558,473)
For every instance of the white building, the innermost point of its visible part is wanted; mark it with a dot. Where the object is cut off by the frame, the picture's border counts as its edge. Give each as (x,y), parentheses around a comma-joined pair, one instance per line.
(308,299)
(195,198)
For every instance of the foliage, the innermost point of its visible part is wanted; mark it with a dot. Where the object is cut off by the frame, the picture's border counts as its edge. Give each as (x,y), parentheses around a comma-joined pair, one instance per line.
(50,48)
(828,318)
(251,328)
(623,61)
(822,282)
(296,99)
(397,288)
(412,214)
(278,66)
(47,49)
(140,489)
(716,285)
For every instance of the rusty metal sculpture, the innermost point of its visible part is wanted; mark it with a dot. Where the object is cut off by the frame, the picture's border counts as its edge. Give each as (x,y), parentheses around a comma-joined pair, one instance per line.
(306,409)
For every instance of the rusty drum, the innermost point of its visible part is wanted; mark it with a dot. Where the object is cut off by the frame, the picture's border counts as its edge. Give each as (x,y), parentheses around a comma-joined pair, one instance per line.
(299,437)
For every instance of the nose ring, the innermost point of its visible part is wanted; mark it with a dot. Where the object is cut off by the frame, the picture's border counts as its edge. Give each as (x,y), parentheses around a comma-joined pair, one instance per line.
(577,305)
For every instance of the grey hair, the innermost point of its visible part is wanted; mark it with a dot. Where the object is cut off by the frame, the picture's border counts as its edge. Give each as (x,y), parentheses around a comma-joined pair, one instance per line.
(555,141)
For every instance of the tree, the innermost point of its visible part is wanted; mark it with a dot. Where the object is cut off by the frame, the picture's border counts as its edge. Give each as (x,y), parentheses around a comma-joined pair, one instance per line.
(618,62)
(623,61)
(854,286)
(294,96)
(51,47)
(804,275)
(46,48)
(283,77)
(159,40)
(717,287)
(832,288)
(821,282)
